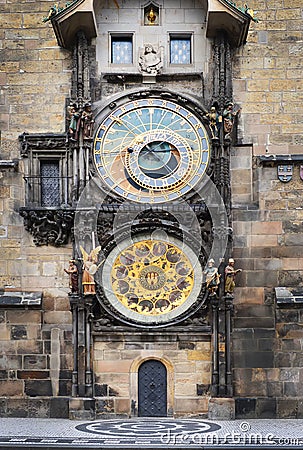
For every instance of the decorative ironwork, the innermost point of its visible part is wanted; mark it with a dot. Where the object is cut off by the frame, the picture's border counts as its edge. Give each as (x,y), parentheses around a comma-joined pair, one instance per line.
(152,389)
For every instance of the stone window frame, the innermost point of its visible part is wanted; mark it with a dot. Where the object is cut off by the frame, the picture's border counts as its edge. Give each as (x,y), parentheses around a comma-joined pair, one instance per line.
(37,149)
(127,36)
(189,36)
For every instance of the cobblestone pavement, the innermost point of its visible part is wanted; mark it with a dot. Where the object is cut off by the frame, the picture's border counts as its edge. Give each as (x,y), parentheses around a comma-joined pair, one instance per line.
(150,433)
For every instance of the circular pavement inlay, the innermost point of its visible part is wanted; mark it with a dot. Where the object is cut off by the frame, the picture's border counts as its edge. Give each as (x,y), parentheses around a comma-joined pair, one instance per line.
(148,428)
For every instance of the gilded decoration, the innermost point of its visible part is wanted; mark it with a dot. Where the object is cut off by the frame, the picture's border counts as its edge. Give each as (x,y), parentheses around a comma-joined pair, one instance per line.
(152,277)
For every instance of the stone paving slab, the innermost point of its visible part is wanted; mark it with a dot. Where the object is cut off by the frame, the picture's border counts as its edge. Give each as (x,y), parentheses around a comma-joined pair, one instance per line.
(150,433)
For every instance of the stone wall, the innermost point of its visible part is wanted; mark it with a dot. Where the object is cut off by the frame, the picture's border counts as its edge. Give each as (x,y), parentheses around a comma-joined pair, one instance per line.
(267,214)
(36,359)
(117,358)
(268,80)
(36,363)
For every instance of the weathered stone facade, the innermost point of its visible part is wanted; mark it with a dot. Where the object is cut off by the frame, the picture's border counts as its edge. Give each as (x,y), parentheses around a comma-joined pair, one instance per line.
(267,339)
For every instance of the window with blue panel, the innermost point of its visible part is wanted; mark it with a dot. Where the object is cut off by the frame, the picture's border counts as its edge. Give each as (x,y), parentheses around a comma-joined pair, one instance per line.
(180,50)
(122,49)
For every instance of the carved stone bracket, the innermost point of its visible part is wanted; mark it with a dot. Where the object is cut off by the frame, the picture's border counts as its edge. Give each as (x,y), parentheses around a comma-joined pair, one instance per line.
(48,226)
(47,141)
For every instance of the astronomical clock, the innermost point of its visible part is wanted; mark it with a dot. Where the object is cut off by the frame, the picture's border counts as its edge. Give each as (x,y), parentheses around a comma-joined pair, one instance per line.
(152,153)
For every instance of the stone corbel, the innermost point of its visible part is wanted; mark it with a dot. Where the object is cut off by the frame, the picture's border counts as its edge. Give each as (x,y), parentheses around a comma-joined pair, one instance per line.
(78,16)
(226,16)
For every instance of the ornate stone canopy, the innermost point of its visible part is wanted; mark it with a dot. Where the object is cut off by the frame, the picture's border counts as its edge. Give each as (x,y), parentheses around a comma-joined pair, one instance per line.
(79,15)
(222,15)
(225,15)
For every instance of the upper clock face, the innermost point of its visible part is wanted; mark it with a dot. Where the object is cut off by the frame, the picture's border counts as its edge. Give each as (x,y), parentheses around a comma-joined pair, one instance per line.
(151,150)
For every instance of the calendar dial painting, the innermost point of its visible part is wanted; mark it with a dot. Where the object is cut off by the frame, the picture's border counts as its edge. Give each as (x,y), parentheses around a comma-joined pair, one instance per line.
(151,280)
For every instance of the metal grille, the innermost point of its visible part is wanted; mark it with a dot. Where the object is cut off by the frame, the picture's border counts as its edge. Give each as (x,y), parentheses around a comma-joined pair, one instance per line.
(50,185)
(152,390)
(180,50)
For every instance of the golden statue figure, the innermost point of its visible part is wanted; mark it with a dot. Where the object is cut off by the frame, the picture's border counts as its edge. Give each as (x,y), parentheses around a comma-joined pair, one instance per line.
(89,267)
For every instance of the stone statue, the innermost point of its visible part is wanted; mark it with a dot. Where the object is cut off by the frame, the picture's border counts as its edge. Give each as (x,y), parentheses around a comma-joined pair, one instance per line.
(212,277)
(229,116)
(72,271)
(230,275)
(150,60)
(89,267)
(74,124)
(87,121)
(55,9)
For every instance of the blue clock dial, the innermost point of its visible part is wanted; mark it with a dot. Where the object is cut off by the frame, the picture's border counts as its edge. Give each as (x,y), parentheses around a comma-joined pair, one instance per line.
(151,150)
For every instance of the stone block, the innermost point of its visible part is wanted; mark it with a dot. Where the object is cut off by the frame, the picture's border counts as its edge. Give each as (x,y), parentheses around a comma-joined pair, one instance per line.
(58,317)
(101,390)
(28,347)
(286,315)
(249,295)
(11,388)
(35,388)
(290,374)
(12,361)
(32,374)
(266,408)
(122,406)
(18,332)
(221,408)
(59,408)
(184,367)
(290,330)
(282,359)
(250,322)
(65,387)
(113,367)
(39,408)
(4,332)
(196,405)
(104,406)
(23,317)
(245,408)
(62,304)
(261,278)
(183,345)
(199,355)
(253,359)
(275,389)
(17,407)
(287,408)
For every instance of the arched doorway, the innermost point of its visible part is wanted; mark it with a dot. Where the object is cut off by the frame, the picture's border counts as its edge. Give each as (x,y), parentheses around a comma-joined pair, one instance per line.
(152,389)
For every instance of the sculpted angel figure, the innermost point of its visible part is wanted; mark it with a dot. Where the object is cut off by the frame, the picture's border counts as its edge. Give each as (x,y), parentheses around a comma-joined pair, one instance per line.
(89,267)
